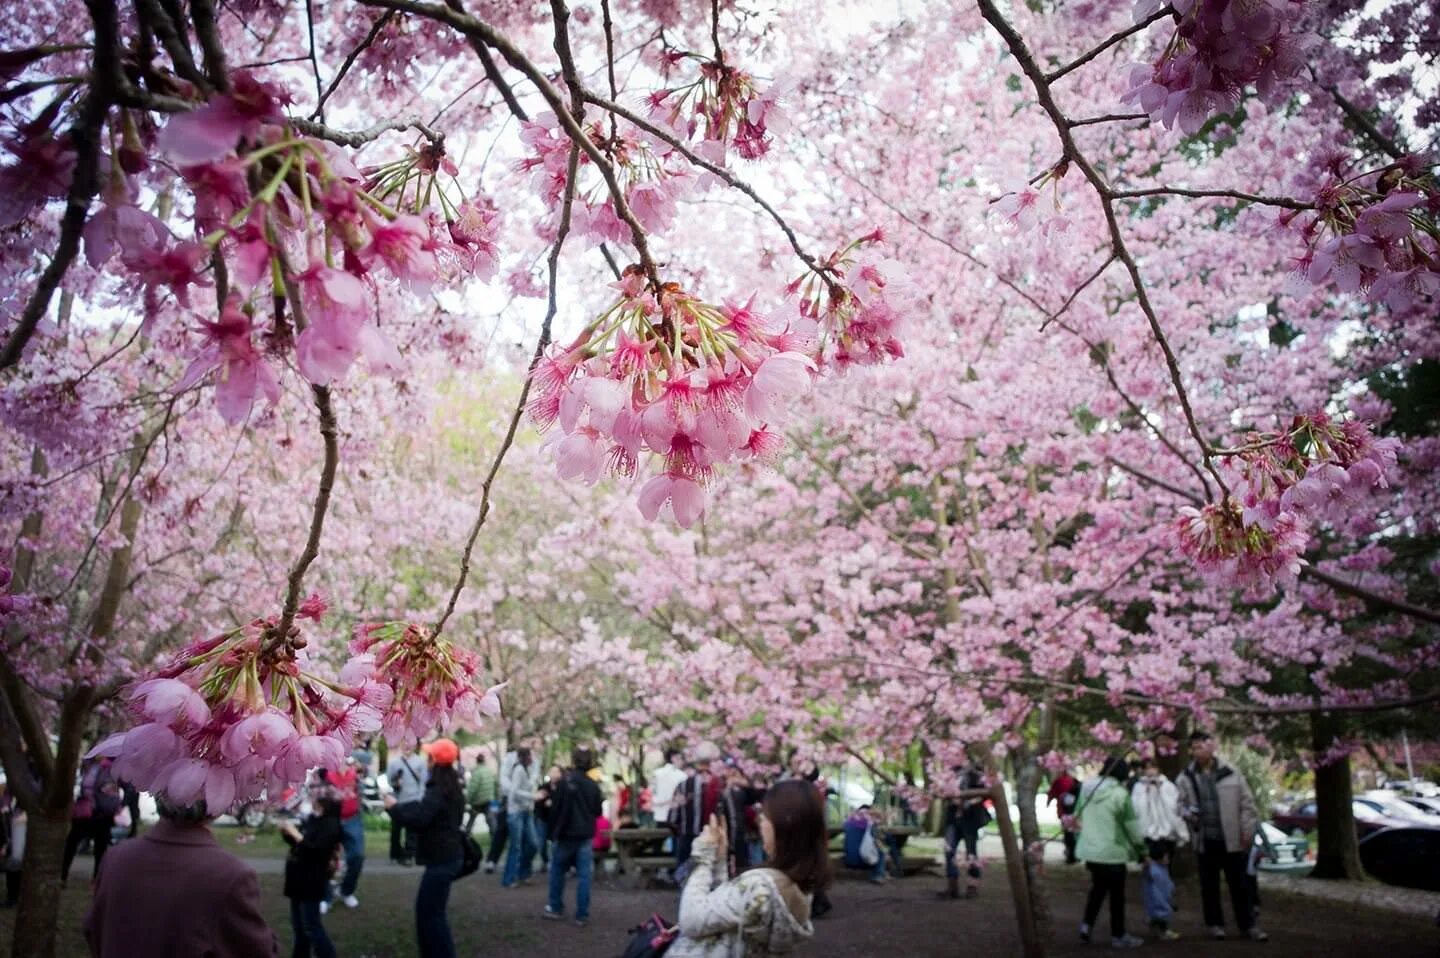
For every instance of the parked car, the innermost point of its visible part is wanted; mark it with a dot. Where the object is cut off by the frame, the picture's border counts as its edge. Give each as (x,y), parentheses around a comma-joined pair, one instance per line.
(1403,856)
(1391,805)
(1282,852)
(1368,818)
(1430,805)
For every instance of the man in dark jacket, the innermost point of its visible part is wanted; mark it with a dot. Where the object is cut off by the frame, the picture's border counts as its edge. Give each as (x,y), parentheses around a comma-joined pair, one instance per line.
(174,893)
(577,804)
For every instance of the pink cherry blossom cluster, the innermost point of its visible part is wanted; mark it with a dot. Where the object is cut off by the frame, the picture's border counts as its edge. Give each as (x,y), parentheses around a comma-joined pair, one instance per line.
(433,684)
(726,101)
(235,716)
(1021,209)
(651,187)
(860,302)
(1316,469)
(1216,49)
(1377,230)
(10,604)
(665,373)
(263,196)
(1227,551)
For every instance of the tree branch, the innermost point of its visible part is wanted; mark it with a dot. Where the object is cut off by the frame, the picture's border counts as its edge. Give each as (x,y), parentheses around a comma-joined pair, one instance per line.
(85,183)
(1281,201)
(1109,42)
(359,138)
(350,58)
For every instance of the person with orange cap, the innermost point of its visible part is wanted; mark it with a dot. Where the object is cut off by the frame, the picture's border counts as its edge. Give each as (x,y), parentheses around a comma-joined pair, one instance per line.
(435,818)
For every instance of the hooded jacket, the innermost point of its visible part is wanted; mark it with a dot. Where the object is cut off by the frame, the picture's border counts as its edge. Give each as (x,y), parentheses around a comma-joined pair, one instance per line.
(751,916)
(1109,830)
(1157,803)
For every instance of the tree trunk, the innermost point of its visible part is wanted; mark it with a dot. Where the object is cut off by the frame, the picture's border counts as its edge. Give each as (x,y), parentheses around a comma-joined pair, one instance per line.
(1031,944)
(39,913)
(1338,854)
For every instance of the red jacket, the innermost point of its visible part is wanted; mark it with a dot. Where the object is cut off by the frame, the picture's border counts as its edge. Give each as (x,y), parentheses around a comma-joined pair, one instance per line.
(347,783)
(175,893)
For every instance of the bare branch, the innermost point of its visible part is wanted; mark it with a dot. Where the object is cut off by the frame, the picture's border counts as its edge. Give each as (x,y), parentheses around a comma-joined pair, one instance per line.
(1109,118)
(1281,201)
(360,137)
(350,59)
(1080,61)
(1077,291)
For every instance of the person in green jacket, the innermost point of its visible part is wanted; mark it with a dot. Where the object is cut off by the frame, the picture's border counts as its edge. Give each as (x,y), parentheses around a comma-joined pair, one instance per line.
(1110,837)
(480,794)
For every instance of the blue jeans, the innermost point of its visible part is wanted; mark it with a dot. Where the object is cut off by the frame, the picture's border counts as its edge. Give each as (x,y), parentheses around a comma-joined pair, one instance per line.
(580,853)
(541,840)
(352,840)
(309,932)
(1157,887)
(432,926)
(521,859)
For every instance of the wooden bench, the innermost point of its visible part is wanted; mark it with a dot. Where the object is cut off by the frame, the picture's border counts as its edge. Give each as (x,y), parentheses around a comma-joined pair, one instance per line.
(641,853)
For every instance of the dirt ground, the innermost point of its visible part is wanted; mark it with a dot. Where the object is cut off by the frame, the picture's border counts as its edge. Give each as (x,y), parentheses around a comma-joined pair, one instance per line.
(902,918)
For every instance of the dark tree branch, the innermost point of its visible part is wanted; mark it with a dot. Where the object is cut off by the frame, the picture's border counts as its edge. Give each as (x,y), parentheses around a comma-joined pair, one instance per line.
(359,138)
(207,31)
(350,59)
(85,137)
(1080,61)
(1282,201)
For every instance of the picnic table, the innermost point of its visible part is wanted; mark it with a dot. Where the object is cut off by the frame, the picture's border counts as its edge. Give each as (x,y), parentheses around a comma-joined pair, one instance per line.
(641,852)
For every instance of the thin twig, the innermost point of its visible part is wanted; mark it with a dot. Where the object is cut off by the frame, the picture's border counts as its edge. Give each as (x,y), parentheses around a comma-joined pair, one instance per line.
(1106,44)
(315,63)
(350,59)
(359,138)
(1109,118)
(1281,201)
(1077,291)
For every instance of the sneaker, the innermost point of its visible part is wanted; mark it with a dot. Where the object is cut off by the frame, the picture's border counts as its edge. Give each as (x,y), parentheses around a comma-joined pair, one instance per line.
(1167,934)
(1126,941)
(1255,934)
(351,901)
(489,868)
(1085,933)
(324,908)
(552,915)
(581,922)
(1217,932)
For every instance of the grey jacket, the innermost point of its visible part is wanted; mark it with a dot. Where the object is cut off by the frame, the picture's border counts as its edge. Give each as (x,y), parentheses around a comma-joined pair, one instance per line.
(1239,818)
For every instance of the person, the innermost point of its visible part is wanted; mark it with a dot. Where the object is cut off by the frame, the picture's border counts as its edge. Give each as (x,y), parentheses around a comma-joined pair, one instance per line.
(1157,805)
(174,893)
(694,802)
(736,808)
(313,848)
(436,820)
(406,775)
(1064,792)
(576,810)
(346,783)
(645,802)
(963,821)
(520,816)
(480,796)
(856,829)
(1220,811)
(1110,837)
(12,844)
(92,815)
(668,777)
(763,911)
(500,829)
(544,812)
(130,795)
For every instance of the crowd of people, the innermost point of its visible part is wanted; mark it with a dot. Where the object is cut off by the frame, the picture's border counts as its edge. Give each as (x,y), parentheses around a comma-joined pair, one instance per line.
(752,859)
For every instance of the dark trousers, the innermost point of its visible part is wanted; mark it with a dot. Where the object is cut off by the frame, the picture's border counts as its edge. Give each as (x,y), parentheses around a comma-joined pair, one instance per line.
(683,844)
(1214,859)
(97,829)
(1070,838)
(432,925)
(1106,881)
(12,887)
(499,833)
(402,842)
(309,931)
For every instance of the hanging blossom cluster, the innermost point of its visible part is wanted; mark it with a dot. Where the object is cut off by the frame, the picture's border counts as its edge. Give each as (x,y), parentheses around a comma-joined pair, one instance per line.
(1021,209)
(10,604)
(433,684)
(235,716)
(1376,230)
(665,374)
(724,103)
(265,195)
(1216,49)
(652,185)
(1316,470)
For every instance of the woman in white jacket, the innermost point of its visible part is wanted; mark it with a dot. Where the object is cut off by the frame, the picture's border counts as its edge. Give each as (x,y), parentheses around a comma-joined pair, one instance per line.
(1157,805)
(766,910)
